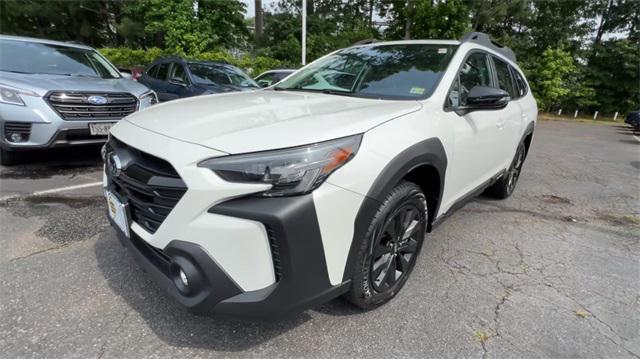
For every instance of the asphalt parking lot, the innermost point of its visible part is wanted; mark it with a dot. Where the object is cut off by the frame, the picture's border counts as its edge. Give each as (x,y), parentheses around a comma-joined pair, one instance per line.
(554,271)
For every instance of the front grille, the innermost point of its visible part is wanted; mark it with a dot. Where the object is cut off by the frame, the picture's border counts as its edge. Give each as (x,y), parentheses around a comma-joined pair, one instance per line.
(76,105)
(150,185)
(21,128)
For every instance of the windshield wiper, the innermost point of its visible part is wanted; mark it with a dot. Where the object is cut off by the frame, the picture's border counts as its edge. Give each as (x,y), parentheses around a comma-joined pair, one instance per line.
(326,91)
(337,92)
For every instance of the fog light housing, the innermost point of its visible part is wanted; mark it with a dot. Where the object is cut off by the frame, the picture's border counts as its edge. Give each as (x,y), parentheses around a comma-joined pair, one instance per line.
(186,277)
(15,137)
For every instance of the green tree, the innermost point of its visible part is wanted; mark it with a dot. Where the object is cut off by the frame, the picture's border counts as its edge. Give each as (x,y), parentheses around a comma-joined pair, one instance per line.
(614,74)
(549,78)
(185,26)
(84,21)
(425,19)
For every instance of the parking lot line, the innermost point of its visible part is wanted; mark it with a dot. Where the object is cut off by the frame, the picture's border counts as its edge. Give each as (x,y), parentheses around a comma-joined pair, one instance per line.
(53,190)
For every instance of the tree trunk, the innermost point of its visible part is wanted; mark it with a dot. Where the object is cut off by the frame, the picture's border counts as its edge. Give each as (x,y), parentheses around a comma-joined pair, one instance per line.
(603,22)
(371,14)
(408,17)
(258,18)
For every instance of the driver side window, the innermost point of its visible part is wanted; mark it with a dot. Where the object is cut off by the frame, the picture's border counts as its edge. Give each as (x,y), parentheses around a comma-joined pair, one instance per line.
(474,72)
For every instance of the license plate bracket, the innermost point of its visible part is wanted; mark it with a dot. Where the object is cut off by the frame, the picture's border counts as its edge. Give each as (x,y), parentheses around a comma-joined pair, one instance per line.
(100,128)
(118,212)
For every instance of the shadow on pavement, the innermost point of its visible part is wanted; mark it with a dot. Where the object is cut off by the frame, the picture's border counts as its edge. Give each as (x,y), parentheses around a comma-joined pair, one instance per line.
(172,323)
(54,162)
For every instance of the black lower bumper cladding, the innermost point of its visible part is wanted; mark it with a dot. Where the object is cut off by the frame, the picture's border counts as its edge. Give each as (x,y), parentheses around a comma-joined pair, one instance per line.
(302,278)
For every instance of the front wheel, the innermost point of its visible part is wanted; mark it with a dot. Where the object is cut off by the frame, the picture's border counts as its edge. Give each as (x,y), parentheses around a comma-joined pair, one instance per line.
(504,187)
(390,248)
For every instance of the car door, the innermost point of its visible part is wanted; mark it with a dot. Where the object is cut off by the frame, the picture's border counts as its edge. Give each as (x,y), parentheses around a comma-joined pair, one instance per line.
(148,76)
(161,83)
(510,118)
(178,83)
(476,156)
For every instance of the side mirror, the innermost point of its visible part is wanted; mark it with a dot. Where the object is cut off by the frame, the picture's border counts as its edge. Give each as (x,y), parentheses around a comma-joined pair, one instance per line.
(177,81)
(484,98)
(264,83)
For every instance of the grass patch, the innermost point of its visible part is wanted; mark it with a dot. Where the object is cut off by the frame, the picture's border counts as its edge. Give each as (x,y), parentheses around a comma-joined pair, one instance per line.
(481,336)
(569,118)
(581,313)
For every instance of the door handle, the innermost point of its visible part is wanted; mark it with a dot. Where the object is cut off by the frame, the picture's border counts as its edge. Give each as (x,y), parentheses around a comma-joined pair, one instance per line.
(500,123)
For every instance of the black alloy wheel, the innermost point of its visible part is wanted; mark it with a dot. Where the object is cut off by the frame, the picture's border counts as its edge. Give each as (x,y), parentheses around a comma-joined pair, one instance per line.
(505,186)
(514,170)
(394,250)
(388,252)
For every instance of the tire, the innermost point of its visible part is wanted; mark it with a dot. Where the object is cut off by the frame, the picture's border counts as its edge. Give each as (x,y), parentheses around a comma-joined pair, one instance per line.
(505,186)
(396,232)
(8,158)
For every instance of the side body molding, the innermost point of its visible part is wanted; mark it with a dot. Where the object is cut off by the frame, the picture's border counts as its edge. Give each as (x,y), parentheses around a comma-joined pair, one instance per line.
(428,152)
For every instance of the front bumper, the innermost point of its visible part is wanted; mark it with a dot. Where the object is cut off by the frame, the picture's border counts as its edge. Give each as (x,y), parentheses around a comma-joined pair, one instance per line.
(47,128)
(301,282)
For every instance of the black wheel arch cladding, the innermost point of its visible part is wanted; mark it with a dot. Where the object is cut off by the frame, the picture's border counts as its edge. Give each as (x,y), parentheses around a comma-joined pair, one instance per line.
(429,152)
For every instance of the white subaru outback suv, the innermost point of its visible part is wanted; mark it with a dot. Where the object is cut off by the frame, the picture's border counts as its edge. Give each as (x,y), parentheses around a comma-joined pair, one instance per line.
(269,202)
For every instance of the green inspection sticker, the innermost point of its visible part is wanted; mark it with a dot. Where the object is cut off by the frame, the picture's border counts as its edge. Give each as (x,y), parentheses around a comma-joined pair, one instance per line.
(417,91)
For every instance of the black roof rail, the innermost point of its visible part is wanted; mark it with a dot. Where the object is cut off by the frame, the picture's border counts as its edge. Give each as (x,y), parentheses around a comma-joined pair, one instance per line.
(366,42)
(484,39)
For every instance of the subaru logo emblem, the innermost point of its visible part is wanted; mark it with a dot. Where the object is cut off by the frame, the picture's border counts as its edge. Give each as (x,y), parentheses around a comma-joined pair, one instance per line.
(97,100)
(114,165)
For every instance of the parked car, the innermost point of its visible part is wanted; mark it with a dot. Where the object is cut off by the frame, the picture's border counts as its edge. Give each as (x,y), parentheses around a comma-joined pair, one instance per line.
(60,94)
(174,77)
(265,203)
(271,77)
(633,120)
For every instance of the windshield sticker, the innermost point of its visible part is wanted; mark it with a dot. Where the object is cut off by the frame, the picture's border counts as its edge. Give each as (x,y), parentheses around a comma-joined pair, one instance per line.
(417,91)
(442,51)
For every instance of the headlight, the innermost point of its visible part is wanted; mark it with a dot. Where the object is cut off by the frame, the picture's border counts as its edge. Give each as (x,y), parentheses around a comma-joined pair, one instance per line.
(148,98)
(290,171)
(11,95)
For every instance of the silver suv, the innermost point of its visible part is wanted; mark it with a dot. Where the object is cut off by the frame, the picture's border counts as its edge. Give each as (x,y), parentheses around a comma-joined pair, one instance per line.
(55,94)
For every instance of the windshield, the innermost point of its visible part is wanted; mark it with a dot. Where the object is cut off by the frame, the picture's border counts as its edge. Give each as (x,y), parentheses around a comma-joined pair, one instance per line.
(210,74)
(38,58)
(386,71)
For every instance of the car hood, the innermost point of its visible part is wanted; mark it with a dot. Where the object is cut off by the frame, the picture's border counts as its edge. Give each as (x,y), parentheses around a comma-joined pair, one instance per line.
(42,84)
(262,120)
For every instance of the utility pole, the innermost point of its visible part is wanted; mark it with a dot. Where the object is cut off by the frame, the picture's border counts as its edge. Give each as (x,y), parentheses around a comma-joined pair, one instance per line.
(304,32)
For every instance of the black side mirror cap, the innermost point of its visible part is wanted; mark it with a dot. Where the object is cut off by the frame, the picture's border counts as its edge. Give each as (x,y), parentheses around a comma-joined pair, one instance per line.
(177,81)
(484,98)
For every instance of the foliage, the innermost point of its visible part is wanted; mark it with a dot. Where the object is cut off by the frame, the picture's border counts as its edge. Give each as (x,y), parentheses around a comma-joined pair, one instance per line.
(426,19)
(126,57)
(614,73)
(185,26)
(548,78)
(82,20)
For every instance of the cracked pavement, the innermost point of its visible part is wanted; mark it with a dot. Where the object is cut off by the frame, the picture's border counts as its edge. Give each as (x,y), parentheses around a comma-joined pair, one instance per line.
(553,271)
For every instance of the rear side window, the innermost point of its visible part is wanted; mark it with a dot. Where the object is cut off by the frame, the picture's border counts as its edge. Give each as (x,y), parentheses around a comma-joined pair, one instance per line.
(153,71)
(178,72)
(521,85)
(163,71)
(474,72)
(505,80)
